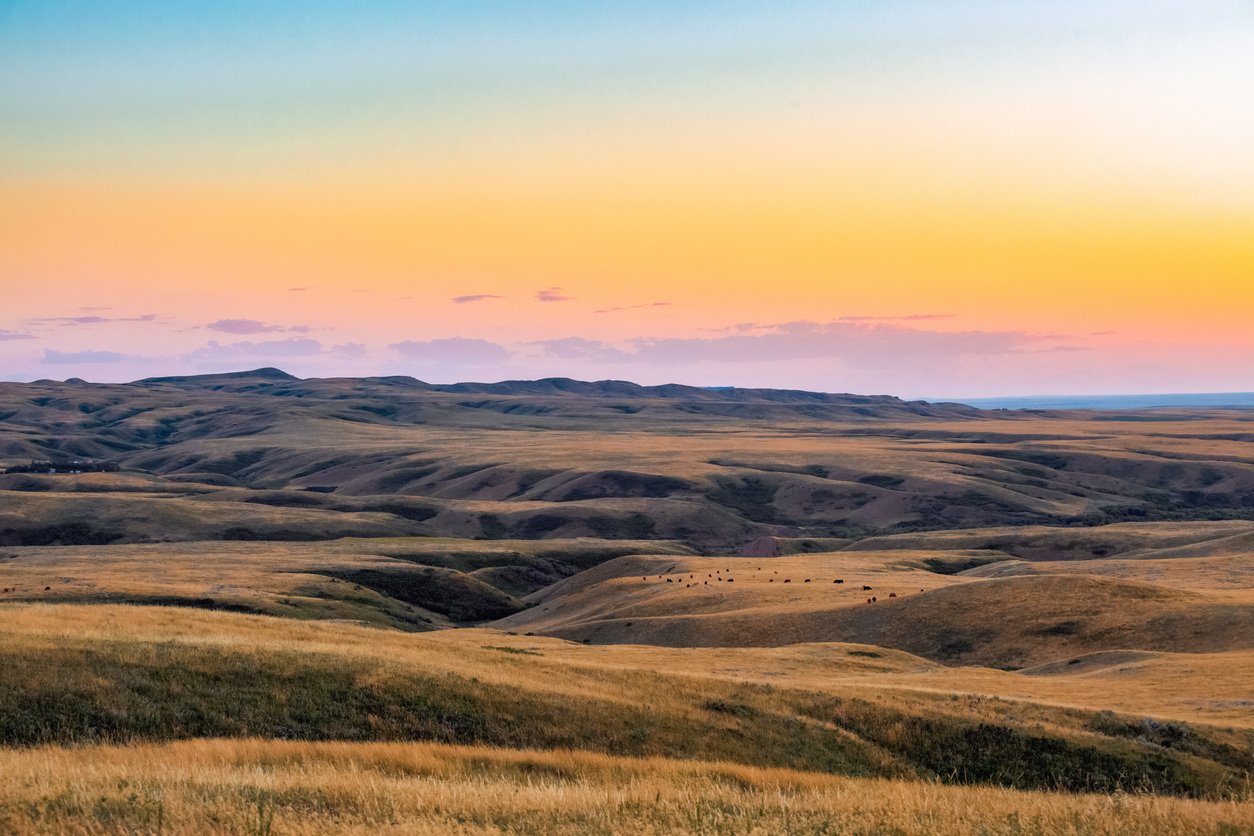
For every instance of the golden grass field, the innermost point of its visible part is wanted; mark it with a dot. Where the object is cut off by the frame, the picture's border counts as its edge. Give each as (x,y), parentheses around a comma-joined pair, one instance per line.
(264,786)
(728,720)
(369,606)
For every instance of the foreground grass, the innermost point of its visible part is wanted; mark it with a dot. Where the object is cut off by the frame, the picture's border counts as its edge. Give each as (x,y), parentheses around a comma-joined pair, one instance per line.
(256,786)
(111,674)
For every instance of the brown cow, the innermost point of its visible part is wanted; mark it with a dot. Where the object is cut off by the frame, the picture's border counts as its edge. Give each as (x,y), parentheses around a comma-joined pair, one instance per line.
(807,580)
(892,595)
(839,580)
(786,580)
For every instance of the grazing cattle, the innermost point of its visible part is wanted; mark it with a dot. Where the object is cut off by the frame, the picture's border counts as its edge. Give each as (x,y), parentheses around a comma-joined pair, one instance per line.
(668,580)
(731,580)
(839,580)
(707,583)
(873,599)
(892,595)
(807,580)
(47,588)
(644,579)
(770,580)
(786,580)
(866,588)
(868,600)
(720,580)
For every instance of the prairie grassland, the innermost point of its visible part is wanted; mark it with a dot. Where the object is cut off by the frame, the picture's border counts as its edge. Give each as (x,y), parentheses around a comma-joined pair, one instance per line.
(91,674)
(1011,620)
(562,464)
(1187,687)
(266,786)
(409,583)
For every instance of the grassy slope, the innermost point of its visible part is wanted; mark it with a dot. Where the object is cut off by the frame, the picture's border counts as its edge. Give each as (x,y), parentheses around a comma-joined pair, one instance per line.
(121,674)
(624,465)
(410,583)
(1016,620)
(249,786)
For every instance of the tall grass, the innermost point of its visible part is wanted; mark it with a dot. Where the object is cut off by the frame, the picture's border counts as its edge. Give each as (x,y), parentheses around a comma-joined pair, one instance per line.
(270,787)
(81,674)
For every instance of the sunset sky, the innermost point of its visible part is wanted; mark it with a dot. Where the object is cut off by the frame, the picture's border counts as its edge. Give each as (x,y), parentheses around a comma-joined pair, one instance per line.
(929,199)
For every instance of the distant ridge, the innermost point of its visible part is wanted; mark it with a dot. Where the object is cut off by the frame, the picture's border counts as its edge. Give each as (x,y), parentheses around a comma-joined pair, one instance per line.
(1183,399)
(543,387)
(267,373)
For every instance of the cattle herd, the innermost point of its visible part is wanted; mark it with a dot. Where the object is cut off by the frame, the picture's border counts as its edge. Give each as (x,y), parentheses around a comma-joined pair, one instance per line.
(719,577)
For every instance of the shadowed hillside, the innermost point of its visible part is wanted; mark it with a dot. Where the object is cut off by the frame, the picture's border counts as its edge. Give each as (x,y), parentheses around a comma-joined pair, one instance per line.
(970,600)
(561,458)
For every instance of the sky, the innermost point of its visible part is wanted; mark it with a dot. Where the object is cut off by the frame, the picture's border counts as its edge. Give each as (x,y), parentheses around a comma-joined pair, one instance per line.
(927,198)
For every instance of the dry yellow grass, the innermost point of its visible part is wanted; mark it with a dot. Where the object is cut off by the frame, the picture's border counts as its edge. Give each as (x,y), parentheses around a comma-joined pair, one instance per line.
(258,786)
(1195,688)
(1027,615)
(340,579)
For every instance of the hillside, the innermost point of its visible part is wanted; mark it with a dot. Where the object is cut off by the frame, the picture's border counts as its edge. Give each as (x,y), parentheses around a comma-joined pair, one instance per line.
(562,458)
(283,605)
(970,600)
(109,674)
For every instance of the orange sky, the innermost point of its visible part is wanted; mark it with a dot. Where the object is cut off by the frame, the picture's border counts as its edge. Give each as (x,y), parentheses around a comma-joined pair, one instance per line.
(1076,214)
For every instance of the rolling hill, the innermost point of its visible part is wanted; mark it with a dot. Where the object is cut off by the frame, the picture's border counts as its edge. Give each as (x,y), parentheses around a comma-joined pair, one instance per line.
(561,458)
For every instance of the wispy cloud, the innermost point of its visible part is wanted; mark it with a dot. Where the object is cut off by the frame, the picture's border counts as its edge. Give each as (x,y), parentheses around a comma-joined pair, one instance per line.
(579,348)
(902,318)
(633,307)
(90,319)
(462,351)
(248,350)
(475,297)
(349,350)
(866,344)
(75,357)
(252,326)
(15,335)
(552,294)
